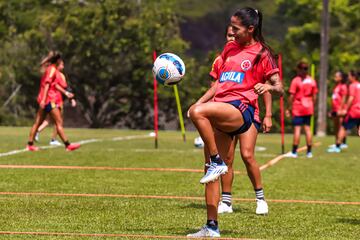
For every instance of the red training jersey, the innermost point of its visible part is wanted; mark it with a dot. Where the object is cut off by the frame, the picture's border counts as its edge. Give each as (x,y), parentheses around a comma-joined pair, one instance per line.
(339,94)
(61,81)
(47,78)
(238,75)
(354,91)
(303,91)
(216,67)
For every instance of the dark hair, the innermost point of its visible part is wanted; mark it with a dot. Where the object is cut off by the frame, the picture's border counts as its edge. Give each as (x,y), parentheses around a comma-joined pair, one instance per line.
(226,29)
(52,57)
(302,64)
(250,16)
(354,74)
(344,76)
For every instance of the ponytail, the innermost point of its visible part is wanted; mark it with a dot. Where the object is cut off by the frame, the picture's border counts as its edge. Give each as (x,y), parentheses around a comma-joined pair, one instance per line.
(250,16)
(52,58)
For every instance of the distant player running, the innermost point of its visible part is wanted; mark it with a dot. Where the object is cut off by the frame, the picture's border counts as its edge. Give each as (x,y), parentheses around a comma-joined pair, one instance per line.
(302,99)
(248,64)
(63,89)
(47,103)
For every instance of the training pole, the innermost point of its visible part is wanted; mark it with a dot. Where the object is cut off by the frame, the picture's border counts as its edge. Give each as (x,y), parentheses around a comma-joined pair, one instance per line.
(282,120)
(312,123)
(179,112)
(155,107)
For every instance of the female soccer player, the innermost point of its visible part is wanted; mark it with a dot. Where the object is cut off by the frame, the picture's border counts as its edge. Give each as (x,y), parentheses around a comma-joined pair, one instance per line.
(61,85)
(338,100)
(351,109)
(248,64)
(47,103)
(225,205)
(302,98)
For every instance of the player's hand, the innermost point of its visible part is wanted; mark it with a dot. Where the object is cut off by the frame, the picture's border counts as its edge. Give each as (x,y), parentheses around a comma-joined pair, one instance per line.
(42,104)
(261,88)
(266,124)
(69,94)
(73,103)
(287,113)
(341,112)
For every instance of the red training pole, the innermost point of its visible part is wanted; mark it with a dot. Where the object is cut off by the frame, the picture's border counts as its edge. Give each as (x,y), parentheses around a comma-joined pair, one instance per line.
(155,107)
(282,120)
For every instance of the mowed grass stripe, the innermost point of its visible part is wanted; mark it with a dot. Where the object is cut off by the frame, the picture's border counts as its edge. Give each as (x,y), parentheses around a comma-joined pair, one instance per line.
(11,166)
(171,197)
(105,235)
(82,142)
(263,167)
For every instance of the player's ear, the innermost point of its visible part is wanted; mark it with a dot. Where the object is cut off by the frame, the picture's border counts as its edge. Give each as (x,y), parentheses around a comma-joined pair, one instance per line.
(251,29)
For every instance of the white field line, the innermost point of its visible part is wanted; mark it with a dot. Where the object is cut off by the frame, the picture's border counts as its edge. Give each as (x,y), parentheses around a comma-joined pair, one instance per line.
(82,142)
(282,156)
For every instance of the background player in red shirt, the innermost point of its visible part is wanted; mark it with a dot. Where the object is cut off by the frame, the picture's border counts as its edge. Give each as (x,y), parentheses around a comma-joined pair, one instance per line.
(351,110)
(248,64)
(338,100)
(47,103)
(302,99)
(62,87)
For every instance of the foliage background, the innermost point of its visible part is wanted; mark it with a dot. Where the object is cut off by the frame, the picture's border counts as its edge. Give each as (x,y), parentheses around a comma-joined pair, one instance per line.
(108,44)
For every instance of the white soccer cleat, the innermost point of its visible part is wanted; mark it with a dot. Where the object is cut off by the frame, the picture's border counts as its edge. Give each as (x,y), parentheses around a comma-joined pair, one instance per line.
(205,231)
(213,172)
(344,146)
(261,207)
(291,155)
(224,208)
(309,155)
(334,149)
(55,143)
(37,137)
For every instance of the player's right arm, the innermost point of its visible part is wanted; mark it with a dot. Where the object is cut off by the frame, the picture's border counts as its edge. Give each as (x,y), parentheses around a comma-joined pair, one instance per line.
(49,79)
(210,93)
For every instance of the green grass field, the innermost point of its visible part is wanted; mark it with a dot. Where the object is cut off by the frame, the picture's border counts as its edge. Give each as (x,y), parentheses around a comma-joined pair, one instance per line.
(327,177)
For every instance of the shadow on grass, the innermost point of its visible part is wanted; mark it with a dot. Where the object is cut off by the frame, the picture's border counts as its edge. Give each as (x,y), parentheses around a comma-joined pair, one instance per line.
(349,221)
(203,206)
(222,232)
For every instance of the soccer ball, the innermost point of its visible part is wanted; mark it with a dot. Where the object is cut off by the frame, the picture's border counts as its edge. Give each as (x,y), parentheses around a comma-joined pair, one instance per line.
(198,142)
(168,69)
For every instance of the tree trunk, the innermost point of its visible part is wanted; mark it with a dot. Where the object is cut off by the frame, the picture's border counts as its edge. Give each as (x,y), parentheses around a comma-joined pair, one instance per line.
(322,108)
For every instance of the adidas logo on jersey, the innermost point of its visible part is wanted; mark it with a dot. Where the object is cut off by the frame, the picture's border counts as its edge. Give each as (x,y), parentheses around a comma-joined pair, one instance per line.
(237,77)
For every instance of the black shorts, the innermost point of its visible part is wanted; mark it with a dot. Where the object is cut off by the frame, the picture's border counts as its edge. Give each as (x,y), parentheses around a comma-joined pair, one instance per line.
(50,106)
(301,120)
(350,123)
(247,112)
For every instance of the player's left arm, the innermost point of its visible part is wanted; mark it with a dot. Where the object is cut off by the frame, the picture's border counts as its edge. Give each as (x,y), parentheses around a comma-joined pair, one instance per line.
(274,86)
(267,121)
(63,91)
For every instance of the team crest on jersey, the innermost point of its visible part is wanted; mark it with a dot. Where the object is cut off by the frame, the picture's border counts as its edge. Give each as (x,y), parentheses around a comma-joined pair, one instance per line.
(245,65)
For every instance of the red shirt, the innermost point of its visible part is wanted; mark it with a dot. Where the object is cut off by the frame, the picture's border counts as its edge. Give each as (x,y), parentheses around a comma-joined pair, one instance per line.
(354,91)
(47,78)
(339,94)
(238,76)
(303,91)
(61,81)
